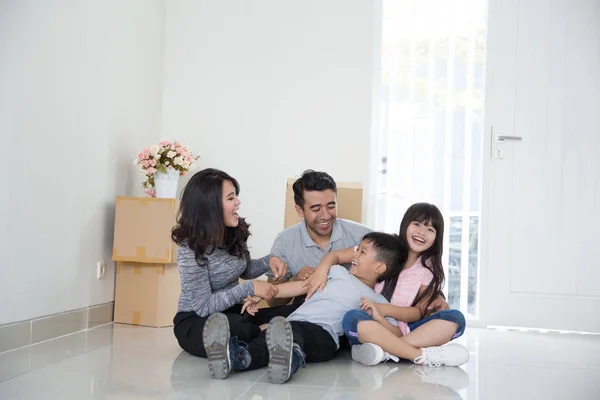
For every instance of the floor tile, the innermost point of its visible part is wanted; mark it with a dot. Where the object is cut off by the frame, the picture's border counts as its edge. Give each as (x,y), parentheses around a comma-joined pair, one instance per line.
(128,362)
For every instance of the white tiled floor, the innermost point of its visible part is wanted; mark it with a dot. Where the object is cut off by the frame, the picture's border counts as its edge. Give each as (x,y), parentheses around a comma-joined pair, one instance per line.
(127,362)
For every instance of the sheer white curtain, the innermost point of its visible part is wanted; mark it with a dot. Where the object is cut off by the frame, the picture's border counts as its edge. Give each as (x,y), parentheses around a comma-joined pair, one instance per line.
(431,126)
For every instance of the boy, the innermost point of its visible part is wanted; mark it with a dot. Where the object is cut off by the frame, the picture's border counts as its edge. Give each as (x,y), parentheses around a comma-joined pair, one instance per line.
(312,332)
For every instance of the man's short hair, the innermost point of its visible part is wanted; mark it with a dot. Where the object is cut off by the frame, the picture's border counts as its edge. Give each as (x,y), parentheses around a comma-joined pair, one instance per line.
(312,181)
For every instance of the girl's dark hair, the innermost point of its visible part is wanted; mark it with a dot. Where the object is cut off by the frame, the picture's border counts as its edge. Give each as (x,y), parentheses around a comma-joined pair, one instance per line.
(389,251)
(200,223)
(431,258)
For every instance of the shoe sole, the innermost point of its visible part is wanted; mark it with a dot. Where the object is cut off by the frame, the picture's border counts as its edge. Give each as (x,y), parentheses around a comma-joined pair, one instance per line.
(366,355)
(280,341)
(215,337)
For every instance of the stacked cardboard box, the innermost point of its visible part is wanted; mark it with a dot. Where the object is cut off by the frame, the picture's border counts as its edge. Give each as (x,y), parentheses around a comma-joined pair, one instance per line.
(147,281)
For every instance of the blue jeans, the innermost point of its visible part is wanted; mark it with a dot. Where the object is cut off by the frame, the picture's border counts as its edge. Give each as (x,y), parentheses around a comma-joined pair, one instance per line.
(353,317)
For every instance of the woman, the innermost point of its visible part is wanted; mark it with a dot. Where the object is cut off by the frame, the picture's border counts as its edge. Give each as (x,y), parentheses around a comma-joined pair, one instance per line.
(213,256)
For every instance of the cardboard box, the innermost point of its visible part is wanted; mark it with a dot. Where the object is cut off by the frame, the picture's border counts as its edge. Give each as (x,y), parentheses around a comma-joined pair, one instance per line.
(349,202)
(146,294)
(143,230)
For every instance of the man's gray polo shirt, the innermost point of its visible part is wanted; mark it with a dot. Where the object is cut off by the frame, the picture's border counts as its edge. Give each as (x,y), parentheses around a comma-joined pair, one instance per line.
(295,247)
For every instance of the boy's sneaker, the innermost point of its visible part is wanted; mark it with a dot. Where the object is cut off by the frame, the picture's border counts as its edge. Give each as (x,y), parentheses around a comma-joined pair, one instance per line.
(224,353)
(450,355)
(370,354)
(285,356)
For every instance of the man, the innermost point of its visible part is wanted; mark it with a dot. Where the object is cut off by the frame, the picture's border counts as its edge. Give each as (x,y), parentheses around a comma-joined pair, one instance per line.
(302,246)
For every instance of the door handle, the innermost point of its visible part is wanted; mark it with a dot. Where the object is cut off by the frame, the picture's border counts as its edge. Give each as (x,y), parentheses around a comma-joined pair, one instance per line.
(502,138)
(496,151)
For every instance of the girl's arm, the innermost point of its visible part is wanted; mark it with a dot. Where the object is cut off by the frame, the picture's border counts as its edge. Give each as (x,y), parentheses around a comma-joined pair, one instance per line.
(404,314)
(373,310)
(318,279)
(423,304)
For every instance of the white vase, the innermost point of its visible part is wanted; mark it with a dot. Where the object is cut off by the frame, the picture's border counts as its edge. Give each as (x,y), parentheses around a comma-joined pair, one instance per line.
(166,184)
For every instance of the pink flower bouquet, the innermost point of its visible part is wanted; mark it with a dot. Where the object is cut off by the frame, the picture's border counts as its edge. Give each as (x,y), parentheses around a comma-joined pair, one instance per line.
(163,156)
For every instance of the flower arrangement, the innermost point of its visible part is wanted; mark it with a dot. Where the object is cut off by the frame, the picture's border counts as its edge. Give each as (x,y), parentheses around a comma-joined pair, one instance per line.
(162,157)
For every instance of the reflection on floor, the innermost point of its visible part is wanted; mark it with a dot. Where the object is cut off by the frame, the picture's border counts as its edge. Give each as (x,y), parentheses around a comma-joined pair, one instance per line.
(129,362)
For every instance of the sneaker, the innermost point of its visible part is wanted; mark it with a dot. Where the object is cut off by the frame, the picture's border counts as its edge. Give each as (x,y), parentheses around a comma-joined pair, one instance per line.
(285,356)
(224,353)
(450,355)
(370,354)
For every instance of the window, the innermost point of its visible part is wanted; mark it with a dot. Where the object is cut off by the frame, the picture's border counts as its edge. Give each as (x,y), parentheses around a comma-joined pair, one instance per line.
(431,126)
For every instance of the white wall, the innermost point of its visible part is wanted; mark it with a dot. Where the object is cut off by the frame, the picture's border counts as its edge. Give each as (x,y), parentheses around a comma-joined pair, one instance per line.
(265,89)
(80,89)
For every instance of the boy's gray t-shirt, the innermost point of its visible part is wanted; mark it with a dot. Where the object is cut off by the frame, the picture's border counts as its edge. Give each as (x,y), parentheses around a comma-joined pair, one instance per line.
(342,293)
(295,247)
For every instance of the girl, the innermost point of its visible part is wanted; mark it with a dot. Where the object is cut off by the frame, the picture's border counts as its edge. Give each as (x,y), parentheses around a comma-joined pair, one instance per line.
(213,255)
(421,336)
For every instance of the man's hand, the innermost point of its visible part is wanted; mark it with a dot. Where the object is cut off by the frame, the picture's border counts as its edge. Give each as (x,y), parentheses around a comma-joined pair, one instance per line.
(438,304)
(304,273)
(316,281)
(278,267)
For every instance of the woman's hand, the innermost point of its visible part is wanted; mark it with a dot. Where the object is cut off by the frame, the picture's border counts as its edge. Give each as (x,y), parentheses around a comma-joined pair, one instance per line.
(370,308)
(264,289)
(278,267)
(316,281)
(251,305)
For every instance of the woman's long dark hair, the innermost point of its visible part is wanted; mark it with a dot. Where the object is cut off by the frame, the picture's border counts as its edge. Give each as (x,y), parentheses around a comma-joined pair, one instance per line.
(200,223)
(431,258)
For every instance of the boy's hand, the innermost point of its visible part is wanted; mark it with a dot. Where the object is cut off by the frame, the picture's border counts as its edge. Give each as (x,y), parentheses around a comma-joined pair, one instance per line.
(251,305)
(370,308)
(316,281)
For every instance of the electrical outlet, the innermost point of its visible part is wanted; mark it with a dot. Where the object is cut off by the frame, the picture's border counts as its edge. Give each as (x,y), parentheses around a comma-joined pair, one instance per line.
(100,269)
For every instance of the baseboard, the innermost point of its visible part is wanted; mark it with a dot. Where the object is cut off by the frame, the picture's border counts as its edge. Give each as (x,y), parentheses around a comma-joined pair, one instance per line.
(37,330)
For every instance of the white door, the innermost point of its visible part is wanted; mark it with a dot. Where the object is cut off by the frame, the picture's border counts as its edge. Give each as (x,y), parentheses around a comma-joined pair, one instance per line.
(543,194)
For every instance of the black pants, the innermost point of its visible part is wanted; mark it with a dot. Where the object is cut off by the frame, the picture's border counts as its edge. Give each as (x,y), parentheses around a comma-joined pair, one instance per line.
(189,326)
(316,342)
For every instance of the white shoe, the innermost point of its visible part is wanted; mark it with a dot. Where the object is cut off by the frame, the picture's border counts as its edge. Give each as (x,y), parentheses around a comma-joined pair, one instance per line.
(370,354)
(450,355)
